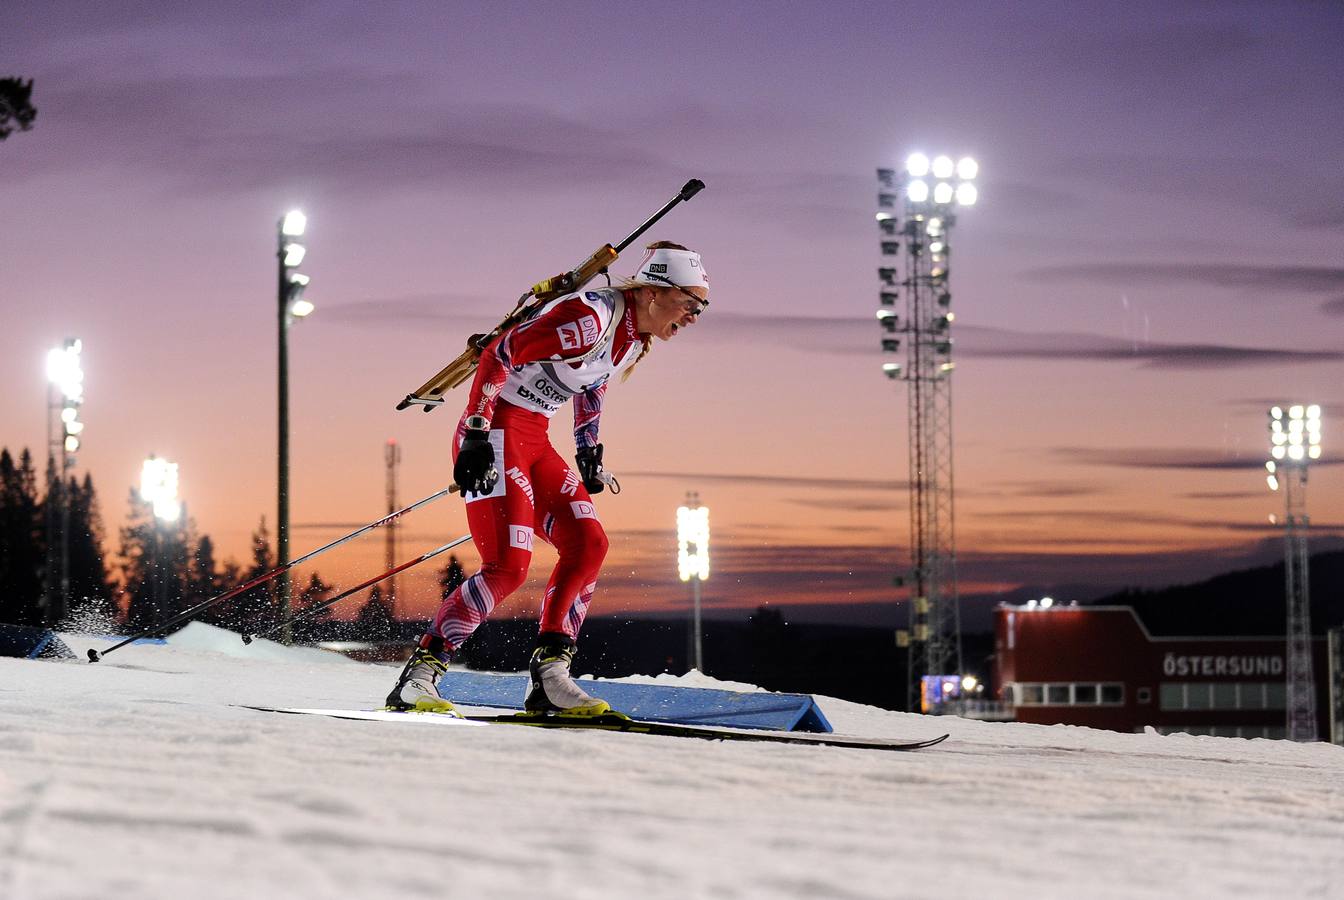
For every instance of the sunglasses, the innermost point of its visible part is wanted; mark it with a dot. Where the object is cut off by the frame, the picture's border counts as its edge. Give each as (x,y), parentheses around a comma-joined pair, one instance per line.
(700,303)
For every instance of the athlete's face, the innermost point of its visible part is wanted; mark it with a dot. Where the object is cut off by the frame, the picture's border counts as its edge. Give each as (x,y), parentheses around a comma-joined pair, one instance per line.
(675,308)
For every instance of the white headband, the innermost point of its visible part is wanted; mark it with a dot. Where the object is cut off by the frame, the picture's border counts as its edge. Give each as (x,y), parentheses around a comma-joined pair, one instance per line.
(680,267)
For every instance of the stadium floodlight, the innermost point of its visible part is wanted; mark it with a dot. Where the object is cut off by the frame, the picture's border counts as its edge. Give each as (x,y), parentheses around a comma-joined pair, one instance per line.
(917,191)
(943,167)
(294,253)
(693,562)
(158,487)
(934,226)
(967,194)
(917,165)
(942,193)
(967,168)
(64,370)
(293,224)
(1047,602)
(1295,441)
(301,308)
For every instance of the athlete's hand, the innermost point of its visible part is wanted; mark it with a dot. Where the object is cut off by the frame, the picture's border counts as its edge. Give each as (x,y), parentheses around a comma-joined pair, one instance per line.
(590,468)
(475,469)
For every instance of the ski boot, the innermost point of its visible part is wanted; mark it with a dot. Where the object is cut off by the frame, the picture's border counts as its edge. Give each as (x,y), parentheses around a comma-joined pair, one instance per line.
(553,691)
(416,689)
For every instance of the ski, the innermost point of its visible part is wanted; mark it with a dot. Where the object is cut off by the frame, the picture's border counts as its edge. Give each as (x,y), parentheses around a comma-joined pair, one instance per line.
(619,722)
(613,722)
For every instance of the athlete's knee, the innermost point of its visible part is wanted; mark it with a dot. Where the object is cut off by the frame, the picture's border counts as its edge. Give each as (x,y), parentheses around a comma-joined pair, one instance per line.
(504,578)
(590,544)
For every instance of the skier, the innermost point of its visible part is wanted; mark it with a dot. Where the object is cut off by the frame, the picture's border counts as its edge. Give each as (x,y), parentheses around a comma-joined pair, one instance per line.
(517,487)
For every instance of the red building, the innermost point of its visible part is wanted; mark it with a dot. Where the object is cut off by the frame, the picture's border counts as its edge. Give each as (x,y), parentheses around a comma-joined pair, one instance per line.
(1099,666)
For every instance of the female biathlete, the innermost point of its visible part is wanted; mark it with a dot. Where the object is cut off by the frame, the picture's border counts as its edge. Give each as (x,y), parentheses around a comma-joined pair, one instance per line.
(518,488)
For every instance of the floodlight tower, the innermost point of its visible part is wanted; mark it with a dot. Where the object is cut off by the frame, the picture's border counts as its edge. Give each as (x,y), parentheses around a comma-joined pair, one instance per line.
(919,244)
(1295,440)
(693,563)
(289,252)
(65,394)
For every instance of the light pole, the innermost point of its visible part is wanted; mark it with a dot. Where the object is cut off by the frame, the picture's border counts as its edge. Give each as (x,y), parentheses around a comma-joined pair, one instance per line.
(693,563)
(918,245)
(158,487)
(290,305)
(1295,440)
(65,392)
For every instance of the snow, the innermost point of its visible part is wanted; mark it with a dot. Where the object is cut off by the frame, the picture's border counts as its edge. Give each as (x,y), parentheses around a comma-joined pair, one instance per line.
(139,777)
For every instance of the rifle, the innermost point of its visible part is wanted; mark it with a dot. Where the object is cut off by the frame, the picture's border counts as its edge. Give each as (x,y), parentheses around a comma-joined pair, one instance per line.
(430,394)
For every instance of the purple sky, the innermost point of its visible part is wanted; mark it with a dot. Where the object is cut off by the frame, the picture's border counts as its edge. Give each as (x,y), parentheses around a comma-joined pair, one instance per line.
(1154,260)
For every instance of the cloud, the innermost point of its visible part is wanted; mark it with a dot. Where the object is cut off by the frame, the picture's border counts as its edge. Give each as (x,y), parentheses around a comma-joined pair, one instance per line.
(785,481)
(1278,279)
(1164,458)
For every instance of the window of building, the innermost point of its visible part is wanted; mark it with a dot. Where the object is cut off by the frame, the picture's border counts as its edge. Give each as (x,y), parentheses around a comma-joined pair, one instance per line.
(1225,695)
(1057,694)
(1030,694)
(1276,695)
(1085,693)
(1199,695)
(1112,694)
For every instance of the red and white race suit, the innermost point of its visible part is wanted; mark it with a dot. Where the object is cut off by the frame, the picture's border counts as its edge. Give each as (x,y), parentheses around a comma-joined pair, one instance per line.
(568,350)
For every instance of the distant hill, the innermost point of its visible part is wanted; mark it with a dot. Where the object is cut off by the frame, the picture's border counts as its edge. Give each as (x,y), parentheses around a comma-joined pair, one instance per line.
(1242,603)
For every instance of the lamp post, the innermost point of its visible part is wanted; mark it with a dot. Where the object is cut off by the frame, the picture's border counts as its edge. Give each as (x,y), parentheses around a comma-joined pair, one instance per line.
(65,392)
(290,305)
(693,563)
(158,487)
(1295,441)
(916,250)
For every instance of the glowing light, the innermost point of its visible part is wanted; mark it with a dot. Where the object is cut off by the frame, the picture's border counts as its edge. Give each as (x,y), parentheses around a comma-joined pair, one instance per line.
(300,308)
(1295,412)
(967,194)
(969,682)
(1314,451)
(294,223)
(967,168)
(294,255)
(1278,452)
(71,444)
(158,487)
(943,192)
(1275,413)
(693,542)
(943,167)
(917,164)
(917,191)
(64,370)
(1047,602)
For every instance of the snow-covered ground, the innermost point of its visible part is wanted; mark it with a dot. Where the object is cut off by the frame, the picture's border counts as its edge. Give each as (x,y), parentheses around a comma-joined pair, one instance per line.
(138,777)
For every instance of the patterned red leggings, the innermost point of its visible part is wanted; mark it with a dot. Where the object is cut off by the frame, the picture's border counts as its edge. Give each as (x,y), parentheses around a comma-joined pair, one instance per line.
(537,495)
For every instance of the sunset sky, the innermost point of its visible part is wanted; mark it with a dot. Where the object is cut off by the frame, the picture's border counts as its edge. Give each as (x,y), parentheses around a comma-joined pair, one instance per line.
(1155,259)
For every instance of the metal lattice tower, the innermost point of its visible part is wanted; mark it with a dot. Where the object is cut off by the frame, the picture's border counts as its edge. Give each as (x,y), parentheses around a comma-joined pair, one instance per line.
(919,243)
(1294,441)
(392,458)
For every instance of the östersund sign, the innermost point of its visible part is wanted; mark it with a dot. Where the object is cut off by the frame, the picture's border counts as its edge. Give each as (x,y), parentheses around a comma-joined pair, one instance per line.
(1226,666)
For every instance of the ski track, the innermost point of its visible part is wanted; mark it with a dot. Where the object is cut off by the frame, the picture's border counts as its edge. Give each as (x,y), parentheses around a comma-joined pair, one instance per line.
(137,777)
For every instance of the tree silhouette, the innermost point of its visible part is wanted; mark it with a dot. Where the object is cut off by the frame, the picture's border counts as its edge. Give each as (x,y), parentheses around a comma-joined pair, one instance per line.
(16,106)
(154,567)
(317,590)
(90,589)
(451,576)
(374,622)
(22,541)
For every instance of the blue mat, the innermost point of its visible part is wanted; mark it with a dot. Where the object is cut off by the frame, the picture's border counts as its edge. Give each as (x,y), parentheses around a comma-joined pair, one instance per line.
(657,703)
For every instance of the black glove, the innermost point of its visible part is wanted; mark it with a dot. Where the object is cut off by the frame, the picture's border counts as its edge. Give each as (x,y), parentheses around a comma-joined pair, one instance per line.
(475,469)
(590,468)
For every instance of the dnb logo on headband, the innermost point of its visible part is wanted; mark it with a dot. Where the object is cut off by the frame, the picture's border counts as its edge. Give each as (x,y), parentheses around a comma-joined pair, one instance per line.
(658,268)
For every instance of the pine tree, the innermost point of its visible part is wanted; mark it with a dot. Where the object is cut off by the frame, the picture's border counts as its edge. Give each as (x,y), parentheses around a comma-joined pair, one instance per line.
(154,570)
(255,609)
(307,628)
(451,576)
(22,541)
(90,590)
(374,622)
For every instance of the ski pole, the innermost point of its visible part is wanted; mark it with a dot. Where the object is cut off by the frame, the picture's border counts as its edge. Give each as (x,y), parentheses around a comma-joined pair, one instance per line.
(313,610)
(94,655)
